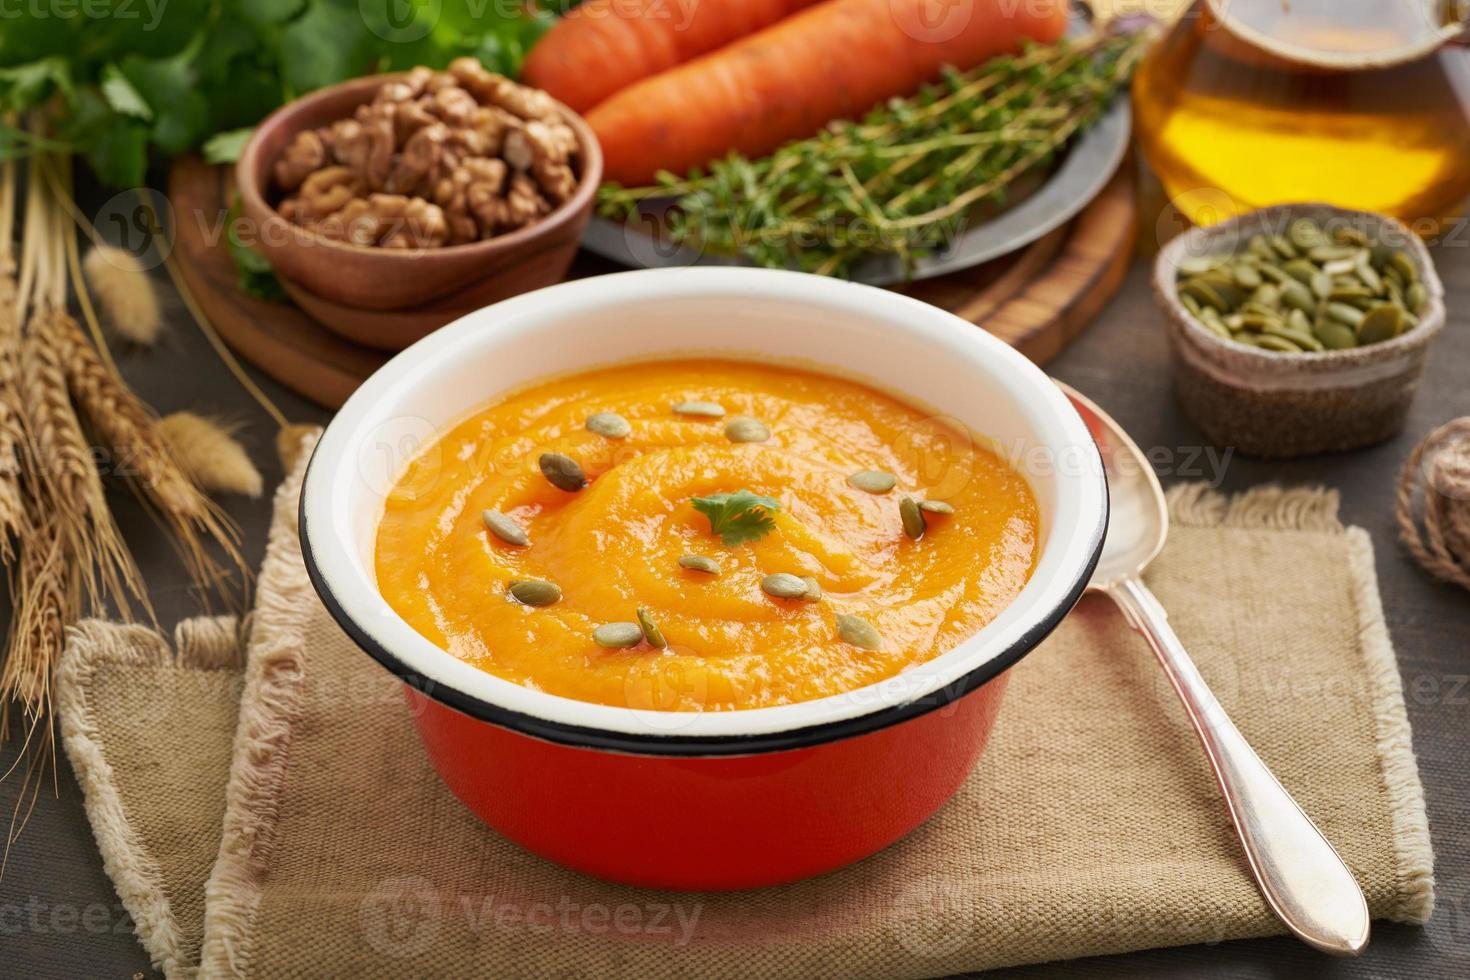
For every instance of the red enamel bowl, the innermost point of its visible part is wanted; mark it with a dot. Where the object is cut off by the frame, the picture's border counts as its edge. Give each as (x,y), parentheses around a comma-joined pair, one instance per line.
(719,799)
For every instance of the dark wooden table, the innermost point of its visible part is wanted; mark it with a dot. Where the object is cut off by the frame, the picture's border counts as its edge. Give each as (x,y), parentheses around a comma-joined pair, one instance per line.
(59,915)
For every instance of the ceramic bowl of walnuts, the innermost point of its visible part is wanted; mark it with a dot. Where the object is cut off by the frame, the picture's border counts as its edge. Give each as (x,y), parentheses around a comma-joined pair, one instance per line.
(392,204)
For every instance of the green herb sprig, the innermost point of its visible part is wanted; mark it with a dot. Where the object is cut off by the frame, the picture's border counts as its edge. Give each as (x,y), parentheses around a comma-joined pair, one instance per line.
(740,516)
(905,179)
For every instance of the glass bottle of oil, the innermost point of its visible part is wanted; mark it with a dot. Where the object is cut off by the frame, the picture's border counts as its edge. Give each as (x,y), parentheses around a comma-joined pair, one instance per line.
(1359,103)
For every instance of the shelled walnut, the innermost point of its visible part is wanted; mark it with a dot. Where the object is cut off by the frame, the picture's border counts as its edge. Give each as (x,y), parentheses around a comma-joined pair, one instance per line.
(436,158)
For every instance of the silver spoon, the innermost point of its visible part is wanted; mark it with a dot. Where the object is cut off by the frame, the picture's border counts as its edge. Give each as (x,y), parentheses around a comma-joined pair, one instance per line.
(1302,877)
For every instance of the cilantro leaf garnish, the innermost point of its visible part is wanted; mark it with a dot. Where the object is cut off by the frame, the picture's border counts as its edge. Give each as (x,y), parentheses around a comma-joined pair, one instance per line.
(740,516)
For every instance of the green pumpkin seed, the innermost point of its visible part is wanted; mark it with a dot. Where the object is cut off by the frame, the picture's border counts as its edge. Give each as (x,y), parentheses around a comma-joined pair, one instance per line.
(618,636)
(1190,304)
(1415,296)
(813,589)
(1350,315)
(1197,265)
(936,507)
(1274,272)
(505,529)
(562,472)
(858,632)
(1212,321)
(1267,295)
(913,518)
(1331,253)
(783,586)
(743,428)
(1349,236)
(1384,322)
(1369,275)
(1279,344)
(873,481)
(1347,293)
(1301,270)
(1301,338)
(1259,247)
(1305,234)
(1246,277)
(1203,293)
(1283,247)
(651,632)
(534,592)
(699,563)
(1334,335)
(1298,296)
(708,410)
(609,424)
(1404,266)
(1321,285)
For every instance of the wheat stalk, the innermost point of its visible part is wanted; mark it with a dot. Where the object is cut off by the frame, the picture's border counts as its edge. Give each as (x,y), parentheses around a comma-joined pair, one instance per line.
(131,431)
(12,428)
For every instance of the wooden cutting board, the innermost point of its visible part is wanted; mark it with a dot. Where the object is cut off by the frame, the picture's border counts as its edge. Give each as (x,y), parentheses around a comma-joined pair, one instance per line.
(1037,299)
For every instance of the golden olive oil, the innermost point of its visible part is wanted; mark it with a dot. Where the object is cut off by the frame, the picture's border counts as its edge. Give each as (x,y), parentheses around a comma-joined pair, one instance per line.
(1359,103)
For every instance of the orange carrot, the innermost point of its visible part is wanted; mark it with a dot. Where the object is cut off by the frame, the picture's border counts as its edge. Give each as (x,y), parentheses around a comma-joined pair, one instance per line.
(833,61)
(606,45)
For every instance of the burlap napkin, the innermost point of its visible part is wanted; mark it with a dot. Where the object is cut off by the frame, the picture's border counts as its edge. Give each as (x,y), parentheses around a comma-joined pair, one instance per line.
(1091,826)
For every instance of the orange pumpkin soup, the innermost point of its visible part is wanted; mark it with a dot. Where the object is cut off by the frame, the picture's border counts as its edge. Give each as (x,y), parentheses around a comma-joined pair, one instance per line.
(703,535)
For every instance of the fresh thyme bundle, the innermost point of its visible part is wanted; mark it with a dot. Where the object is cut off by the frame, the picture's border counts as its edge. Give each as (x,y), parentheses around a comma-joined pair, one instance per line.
(905,179)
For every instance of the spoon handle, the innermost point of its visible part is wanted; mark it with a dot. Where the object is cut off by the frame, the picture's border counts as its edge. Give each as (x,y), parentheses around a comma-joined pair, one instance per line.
(1302,877)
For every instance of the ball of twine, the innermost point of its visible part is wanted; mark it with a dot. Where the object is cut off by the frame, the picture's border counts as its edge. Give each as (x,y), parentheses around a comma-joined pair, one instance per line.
(1434,519)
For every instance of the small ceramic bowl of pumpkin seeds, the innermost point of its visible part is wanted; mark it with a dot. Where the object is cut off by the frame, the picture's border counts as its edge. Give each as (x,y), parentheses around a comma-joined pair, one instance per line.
(1299,329)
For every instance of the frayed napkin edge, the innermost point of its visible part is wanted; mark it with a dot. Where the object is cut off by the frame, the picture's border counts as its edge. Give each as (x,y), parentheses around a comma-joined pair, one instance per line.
(201,644)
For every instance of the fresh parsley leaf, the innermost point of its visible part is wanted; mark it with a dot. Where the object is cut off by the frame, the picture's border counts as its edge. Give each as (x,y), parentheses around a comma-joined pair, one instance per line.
(121,96)
(24,86)
(253,273)
(740,516)
(226,147)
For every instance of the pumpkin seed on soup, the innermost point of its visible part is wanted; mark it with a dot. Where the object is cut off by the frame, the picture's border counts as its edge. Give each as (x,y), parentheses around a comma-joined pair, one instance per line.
(873,481)
(699,563)
(936,507)
(813,589)
(562,472)
(912,517)
(651,632)
(534,592)
(858,632)
(743,428)
(618,636)
(505,528)
(608,424)
(783,586)
(708,410)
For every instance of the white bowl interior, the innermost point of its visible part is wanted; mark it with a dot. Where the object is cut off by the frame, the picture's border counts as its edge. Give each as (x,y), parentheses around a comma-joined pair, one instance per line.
(900,345)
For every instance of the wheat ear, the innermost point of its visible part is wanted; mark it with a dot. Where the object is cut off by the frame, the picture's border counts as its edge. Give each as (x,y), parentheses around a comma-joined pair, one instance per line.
(211,455)
(123,290)
(66,475)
